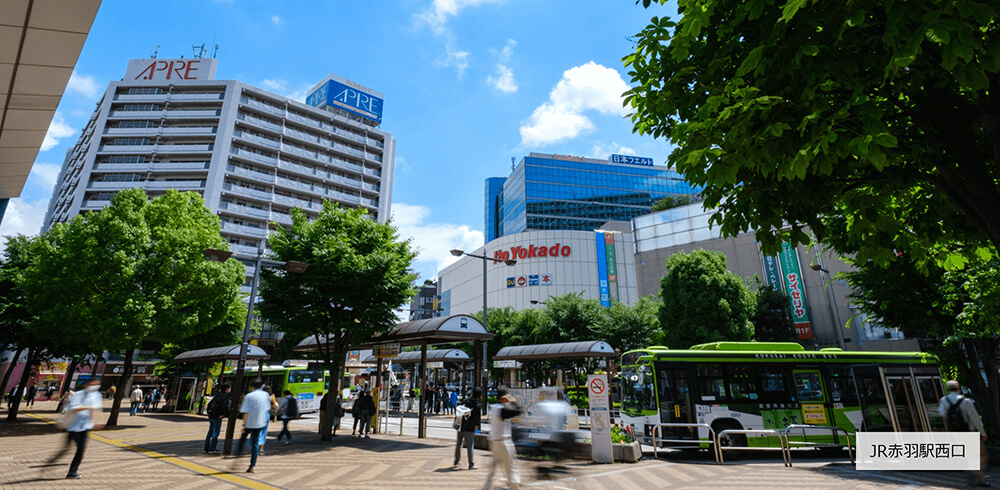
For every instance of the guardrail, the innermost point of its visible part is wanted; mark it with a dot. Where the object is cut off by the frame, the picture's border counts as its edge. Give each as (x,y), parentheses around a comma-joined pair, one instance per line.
(711,433)
(782,439)
(834,429)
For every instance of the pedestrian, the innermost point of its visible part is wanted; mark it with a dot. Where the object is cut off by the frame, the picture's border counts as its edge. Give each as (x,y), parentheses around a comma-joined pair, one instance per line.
(147,400)
(30,395)
(80,413)
(323,403)
(960,415)
(468,427)
(111,392)
(157,396)
(500,442)
(135,400)
(256,413)
(10,398)
(338,413)
(409,401)
(288,411)
(453,400)
(50,391)
(218,408)
(273,410)
(356,413)
(367,412)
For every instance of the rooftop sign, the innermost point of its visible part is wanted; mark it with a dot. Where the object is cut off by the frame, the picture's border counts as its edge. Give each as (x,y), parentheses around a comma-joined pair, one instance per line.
(631,160)
(171,70)
(349,96)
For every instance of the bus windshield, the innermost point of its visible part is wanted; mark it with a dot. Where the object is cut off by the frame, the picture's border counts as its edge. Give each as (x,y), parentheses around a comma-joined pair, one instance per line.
(638,390)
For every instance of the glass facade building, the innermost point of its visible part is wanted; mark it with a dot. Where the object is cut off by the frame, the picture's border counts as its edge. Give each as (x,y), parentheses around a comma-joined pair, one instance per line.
(556,192)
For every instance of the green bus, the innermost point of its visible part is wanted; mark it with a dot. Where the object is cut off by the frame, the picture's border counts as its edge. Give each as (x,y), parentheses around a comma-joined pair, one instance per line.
(307,385)
(771,385)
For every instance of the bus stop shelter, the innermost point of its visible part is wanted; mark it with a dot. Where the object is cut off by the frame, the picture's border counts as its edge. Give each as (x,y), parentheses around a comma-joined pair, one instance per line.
(589,349)
(437,355)
(432,331)
(200,356)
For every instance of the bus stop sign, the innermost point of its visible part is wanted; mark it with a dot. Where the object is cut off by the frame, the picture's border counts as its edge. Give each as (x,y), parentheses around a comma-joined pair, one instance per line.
(600,418)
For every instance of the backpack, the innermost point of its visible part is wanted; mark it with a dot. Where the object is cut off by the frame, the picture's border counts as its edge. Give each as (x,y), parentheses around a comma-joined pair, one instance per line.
(292,408)
(216,407)
(956,422)
(461,413)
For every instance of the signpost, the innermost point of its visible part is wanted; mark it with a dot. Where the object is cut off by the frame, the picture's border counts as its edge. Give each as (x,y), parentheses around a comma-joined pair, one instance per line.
(386,351)
(600,418)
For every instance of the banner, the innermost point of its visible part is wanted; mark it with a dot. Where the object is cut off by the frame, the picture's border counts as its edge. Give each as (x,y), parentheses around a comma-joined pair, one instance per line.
(602,270)
(772,273)
(609,242)
(792,276)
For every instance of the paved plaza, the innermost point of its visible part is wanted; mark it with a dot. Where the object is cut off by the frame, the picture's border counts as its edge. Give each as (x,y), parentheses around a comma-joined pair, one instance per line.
(165,451)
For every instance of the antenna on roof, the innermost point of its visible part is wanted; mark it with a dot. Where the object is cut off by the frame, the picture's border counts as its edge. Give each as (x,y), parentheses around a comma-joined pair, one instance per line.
(512,160)
(199,51)
(157,50)
(215,50)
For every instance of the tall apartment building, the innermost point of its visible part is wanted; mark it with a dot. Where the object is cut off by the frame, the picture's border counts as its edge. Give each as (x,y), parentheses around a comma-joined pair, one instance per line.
(252,154)
(561,192)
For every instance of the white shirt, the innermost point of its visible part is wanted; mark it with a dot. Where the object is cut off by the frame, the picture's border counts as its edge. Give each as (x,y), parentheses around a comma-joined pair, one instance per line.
(137,395)
(967,408)
(257,406)
(84,419)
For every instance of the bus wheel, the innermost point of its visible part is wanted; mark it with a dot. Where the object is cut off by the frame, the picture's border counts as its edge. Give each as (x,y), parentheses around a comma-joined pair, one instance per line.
(730,440)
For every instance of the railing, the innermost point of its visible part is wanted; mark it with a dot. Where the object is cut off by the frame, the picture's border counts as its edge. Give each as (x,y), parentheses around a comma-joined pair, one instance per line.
(832,428)
(785,456)
(711,433)
(259,122)
(250,174)
(188,130)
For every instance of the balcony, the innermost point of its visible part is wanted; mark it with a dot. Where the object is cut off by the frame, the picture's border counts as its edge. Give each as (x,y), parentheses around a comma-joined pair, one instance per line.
(136,114)
(373,172)
(343,196)
(94,204)
(254,157)
(132,131)
(244,210)
(188,97)
(140,97)
(260,140)
(250,174)
(369,202)
(370,187)
(299,169)
(343,180)
(348,150)
(185,148)
(302,135)
(186,130)
(294,202)
(181,185)
(125,148)
(247,192)
(270,109)
(281,218)
(259,122)
(192,113)
(182,166)
(118,167)
(373,157)
(243,249)
(305,120)
(294,150)
(292,184)
(244,230)
(375,143)
(347,165)
(349,135)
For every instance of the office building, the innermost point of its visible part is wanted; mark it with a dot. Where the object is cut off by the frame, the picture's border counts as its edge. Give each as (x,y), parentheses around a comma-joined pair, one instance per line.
(560,192)
(423,305)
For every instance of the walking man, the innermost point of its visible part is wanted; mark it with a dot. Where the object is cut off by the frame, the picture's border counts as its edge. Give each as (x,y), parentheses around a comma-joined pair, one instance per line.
(218,408)
(289,411)
(960,415)
(256,411)
(81,409)
(367,411)
(30,395)
(467,430)
(500,442)
(135,399)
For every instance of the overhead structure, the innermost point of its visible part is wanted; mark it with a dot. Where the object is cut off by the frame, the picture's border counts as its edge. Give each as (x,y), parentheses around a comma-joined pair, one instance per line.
(40,42)
(586,349)
(437,355)
(216,354)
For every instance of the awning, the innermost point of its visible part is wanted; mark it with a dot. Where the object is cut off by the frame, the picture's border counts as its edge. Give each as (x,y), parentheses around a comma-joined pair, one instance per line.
(220,354)
(413,357)
(442,330)
(591,348)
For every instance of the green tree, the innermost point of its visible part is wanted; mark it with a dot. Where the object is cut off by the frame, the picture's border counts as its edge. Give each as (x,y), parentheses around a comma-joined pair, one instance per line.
(703,302)
(772,316)
(359,272)
(672,202)
(630,327)
(135,271)
(571,318)
(884,113)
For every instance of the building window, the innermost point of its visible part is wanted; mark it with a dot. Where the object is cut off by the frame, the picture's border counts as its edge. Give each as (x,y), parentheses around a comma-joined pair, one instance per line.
(136,124)
(129,141)
(126,159)
(121,178)
(144,91)
(140,107)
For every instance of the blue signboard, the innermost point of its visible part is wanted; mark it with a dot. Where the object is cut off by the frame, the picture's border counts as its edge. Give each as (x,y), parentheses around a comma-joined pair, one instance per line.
(347,98)
(602,270)
(631,160)
(532,279)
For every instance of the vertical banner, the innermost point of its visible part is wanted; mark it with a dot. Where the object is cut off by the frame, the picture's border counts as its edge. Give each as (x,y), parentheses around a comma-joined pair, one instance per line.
(772,273)
(609,243)
(789,258)
(602,269)
(600,418)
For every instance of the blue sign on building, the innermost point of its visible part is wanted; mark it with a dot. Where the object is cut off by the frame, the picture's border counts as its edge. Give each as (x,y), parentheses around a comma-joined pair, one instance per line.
(348,98)
(631,160)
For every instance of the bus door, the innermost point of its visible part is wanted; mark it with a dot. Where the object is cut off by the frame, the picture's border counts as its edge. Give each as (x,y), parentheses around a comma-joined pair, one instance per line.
(931,391)
(875,413)
(810,394)
(673,383)
(903,399)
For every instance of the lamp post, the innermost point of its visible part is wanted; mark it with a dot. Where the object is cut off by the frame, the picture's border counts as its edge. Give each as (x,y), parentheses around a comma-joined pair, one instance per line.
(459,253)
(818,266)
(222,256)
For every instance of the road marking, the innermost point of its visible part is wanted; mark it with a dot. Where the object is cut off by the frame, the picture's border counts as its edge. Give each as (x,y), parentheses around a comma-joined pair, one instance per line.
(592,475)
(197,468)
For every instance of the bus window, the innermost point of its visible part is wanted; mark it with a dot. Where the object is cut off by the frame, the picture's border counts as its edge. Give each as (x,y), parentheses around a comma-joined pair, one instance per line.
(874,407)
(773,385)
(741,384)
(931,392)
(808,387)
(711,383)
(638,389)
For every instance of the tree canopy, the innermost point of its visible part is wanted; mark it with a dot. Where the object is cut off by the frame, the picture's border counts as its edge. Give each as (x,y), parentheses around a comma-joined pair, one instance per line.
(359,272)
(884,113)
(703,302)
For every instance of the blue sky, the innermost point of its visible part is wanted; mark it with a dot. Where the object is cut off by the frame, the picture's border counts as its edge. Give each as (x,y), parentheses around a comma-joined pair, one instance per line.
(468,84)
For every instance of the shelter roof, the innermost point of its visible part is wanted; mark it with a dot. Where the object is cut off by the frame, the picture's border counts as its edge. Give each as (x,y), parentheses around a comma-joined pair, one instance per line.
(441,330)
(590,348)
(220,354)
(437,355)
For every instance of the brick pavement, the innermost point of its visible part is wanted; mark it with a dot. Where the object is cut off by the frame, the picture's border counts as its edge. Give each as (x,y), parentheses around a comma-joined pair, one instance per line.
(164,451)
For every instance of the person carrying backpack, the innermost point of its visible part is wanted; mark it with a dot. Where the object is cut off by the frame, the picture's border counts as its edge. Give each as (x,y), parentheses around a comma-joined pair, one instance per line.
(960,415)
(217,409)
(288,411)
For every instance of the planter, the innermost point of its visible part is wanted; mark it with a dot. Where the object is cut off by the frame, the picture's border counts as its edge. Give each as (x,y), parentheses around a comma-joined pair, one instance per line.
(629,453)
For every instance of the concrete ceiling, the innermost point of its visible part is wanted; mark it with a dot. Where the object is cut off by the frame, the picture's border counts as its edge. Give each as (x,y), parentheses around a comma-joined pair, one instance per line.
(40,41)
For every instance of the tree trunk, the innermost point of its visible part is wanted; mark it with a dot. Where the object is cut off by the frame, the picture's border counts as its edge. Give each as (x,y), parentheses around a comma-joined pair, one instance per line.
(120,389)
(10,370)
(15,403)
(974,361)
(67,381)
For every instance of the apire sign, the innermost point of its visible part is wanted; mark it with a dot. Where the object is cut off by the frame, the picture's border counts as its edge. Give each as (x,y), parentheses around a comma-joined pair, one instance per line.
(349,96)
(171,70)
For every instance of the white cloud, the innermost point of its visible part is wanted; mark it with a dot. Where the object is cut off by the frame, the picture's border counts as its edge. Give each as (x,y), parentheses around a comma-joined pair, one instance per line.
(46,174)
(588,87)
(454,57)
(401,165)
(604,151)
(58,129)
(276,20)
(504,79)
(84,85)
(281,87)
(433,240)
(436,17)
(23,217)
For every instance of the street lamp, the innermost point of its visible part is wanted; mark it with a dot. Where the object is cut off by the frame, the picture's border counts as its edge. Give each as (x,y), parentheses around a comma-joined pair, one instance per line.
(818,266)
(222,256)
(459,253)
